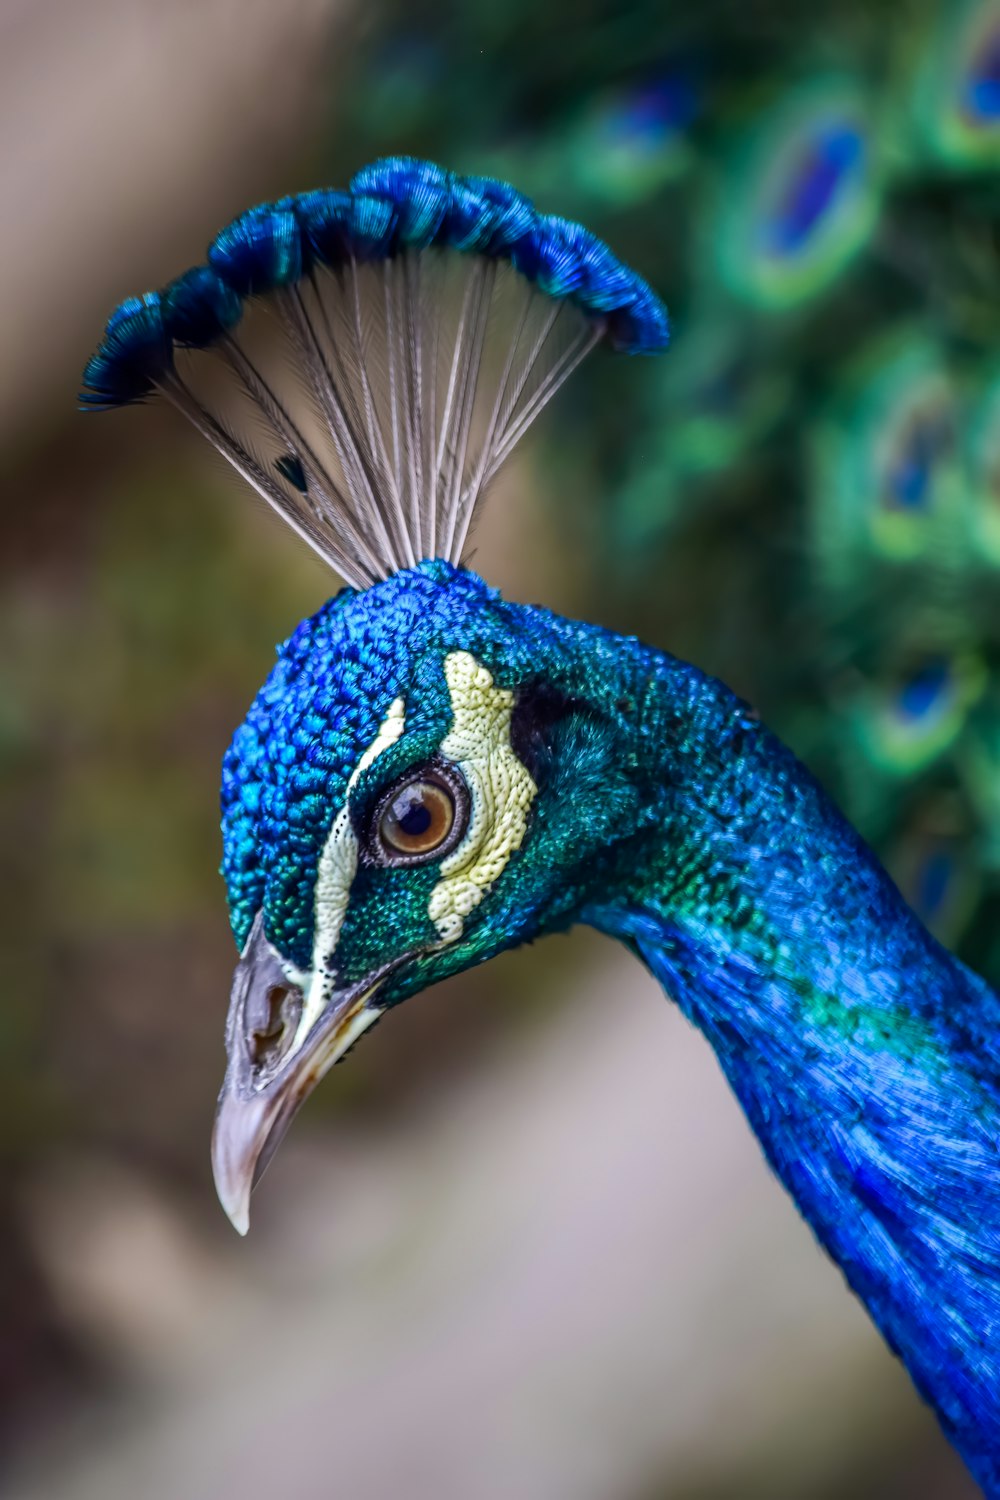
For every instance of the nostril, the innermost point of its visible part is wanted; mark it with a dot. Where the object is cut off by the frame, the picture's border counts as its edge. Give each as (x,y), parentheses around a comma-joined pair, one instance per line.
(270,1040)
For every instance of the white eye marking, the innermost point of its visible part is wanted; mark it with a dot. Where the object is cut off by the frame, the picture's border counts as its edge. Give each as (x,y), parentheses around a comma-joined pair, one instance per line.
(338,865)
(500,790)
(392,727)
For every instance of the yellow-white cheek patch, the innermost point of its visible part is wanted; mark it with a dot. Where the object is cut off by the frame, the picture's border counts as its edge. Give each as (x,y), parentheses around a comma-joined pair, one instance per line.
(501,792)
(338,866)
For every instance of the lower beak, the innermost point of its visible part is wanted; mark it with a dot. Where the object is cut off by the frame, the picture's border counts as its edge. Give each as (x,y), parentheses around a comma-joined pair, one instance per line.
(266,1085)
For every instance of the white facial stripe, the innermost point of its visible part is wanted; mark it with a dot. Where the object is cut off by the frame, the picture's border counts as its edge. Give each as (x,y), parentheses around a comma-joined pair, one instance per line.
(337,867)
(392,728)
(500,788)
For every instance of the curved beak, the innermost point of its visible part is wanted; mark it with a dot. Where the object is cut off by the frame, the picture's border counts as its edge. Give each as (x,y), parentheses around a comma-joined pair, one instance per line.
(275,1058)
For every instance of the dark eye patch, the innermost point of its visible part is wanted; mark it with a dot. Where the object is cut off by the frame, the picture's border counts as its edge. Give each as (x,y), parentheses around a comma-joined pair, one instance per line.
(538,708)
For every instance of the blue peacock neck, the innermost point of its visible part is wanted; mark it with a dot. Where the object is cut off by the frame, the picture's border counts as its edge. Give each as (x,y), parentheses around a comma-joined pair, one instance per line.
(865,1056)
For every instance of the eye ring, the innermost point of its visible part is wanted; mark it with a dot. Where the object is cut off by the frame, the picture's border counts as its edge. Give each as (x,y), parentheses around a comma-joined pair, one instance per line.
(421,817)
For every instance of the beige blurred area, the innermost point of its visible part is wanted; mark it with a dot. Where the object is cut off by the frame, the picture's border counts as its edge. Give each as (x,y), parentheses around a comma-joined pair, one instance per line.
(523,1244)
(565,1275)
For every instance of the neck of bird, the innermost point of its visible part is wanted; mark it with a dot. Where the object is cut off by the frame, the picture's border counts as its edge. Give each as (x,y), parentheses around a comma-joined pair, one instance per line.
(866,1057)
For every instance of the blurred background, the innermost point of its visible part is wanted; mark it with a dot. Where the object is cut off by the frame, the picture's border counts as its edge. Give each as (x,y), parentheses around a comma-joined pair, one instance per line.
(523,1243)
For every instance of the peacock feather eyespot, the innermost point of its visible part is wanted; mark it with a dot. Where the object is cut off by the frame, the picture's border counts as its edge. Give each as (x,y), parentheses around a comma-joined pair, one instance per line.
(802,196)
(635,139)
(954,107)
(889,486)
(982,90)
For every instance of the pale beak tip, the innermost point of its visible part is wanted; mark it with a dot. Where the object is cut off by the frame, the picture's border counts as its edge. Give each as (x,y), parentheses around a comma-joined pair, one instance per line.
(240,1220)
(232,1172)
(235,1206)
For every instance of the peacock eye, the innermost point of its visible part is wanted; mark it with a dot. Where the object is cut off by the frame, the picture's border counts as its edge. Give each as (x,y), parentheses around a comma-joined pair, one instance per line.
(418,819)
(421,817)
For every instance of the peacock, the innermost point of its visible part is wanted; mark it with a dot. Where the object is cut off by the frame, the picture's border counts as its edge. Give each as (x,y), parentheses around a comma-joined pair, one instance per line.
(432,773)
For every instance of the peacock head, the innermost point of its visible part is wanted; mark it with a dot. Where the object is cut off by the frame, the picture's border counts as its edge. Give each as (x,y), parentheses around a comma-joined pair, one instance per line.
(403,799)
(409,795)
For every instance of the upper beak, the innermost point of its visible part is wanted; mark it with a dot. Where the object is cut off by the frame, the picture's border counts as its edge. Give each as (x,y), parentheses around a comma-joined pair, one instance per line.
(271,1070)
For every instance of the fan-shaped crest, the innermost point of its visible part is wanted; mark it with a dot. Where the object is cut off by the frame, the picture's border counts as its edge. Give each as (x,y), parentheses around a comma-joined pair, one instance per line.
(423,322)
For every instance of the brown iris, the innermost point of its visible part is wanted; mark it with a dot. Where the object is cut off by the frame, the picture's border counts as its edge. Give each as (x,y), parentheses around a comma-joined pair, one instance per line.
(418,817)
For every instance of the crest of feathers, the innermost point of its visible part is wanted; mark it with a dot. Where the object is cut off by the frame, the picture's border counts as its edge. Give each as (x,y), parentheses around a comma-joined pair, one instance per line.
(419,323)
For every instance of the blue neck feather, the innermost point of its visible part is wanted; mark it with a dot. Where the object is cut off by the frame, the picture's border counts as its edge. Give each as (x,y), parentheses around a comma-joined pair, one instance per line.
(865,1056)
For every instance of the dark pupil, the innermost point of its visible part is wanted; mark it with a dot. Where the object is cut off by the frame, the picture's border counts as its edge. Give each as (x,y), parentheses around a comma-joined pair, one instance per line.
(412,814)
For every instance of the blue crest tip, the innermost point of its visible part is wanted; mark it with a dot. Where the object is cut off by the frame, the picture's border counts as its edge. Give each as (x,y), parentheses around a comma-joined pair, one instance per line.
(134,353)
(198,308)
(394,205)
